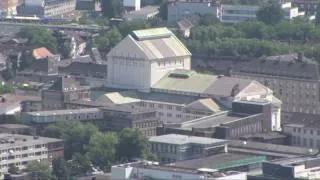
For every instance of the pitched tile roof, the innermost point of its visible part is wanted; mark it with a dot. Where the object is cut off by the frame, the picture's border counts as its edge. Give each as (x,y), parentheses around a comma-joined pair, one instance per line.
(41,53)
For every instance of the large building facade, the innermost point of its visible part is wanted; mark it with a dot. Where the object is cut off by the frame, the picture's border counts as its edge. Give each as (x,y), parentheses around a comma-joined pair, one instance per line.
(19,150)
(144,57)
(293,79)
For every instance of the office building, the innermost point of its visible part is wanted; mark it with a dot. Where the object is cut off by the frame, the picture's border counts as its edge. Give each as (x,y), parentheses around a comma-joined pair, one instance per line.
(238,13)
(20,149)
(152,170)
(170,148)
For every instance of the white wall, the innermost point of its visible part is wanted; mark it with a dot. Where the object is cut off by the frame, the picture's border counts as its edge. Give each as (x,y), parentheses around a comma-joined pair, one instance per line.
(132,3)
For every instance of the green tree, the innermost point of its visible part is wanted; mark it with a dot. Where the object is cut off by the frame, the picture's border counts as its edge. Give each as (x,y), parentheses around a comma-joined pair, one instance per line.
(26,60)
(132,144)
(75,134)
(79,165)
(128,26)
(13,169)
(111,8)
(39,37)
(42,168)
(208,19)
(108,40)
(270,13)
(61,169)
(102,149)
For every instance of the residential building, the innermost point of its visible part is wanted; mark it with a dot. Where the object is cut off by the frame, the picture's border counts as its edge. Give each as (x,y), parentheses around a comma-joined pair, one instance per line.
(132,5)
(303,130)
(303,169)
(309,6)
(170,148)
(144,57)
(90,73)
(15,128)
(238,13)
(64,89)
(152,170)
(290,11)
(145,13)
(170,108)
(19,150)
(105,118)
(293,78)
(182,9)
(46,8)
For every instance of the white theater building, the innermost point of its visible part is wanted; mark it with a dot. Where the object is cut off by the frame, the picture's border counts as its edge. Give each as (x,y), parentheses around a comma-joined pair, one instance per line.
(144,57)
(156,67)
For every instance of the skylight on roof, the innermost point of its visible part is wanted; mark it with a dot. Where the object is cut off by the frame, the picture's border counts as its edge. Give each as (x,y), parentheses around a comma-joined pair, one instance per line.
(154,33)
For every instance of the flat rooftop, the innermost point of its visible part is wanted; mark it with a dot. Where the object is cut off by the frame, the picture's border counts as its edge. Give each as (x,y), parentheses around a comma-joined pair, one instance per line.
(63,112)
(213,120)
(17,140)
(184,139)
(13,126)
(213,161)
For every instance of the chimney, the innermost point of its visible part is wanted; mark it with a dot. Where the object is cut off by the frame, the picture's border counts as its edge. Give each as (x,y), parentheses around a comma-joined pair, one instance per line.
(300,56)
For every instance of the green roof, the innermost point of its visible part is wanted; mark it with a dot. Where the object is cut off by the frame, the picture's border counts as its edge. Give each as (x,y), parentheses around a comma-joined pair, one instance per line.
(194,83)
(124,97)
(153,33)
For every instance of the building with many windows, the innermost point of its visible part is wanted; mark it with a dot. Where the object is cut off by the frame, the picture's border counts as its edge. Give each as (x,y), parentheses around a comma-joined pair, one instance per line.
(175,147)
(304,130)
(293,78)
(18,150)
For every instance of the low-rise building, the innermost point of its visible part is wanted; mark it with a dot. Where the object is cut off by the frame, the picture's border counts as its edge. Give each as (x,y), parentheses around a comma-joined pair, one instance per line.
(238,13)
(303,129)
(152,170)
(169,107)
(15,128)
(105,118)
(12,103)
(181,9)
(174,147)
(145,13)
(303,169)
(64,89)
(20,149)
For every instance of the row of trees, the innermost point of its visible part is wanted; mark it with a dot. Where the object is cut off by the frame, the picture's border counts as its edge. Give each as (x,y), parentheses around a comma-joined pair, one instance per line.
(85,145)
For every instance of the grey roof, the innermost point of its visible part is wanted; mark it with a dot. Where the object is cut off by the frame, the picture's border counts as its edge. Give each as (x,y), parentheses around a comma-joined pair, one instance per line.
(143,13)
(266,136)
(303,120)
(13,126)
(63,112)
(249,145)
(84,68)
(44,66)
(67,62)
(184,139)
(212,161)
(284,65)
(87,5)
(224,86)
(213,120)
(22,140)
(155,43)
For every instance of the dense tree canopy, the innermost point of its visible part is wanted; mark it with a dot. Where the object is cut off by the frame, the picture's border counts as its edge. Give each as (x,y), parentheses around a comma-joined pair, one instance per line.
(42,168)
(270,13)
